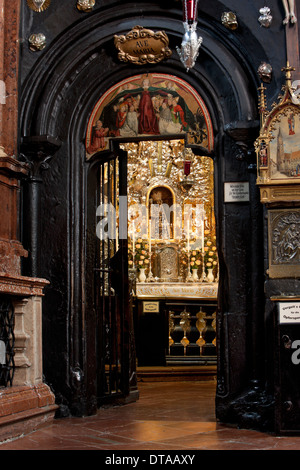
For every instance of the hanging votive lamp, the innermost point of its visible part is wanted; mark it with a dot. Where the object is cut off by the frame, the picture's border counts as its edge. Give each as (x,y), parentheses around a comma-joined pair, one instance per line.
(186,183)
(191,43)
(187,168)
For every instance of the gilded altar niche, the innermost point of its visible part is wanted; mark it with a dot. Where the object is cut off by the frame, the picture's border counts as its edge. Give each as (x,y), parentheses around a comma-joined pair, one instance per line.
(171,213)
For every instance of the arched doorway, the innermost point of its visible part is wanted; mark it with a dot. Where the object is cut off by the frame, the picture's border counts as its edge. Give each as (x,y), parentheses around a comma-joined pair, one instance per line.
(171,223)
(58,94)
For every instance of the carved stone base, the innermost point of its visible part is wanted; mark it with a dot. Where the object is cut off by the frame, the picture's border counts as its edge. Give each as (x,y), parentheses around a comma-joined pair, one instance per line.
(24,409)
(253,409)
(29,403)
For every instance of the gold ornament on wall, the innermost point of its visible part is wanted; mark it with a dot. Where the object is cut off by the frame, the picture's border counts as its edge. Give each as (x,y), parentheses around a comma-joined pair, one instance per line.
(141,46)
(37,42)
(38,5)
(265,72)
(85,5)
(229,20)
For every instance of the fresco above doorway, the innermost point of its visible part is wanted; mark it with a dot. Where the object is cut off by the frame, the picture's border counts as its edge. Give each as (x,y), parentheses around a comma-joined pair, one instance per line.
(148,105)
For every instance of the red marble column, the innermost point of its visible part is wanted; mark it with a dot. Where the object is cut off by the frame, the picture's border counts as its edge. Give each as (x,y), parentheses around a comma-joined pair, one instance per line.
(10,169)
(9,58)
(2,82)
(28,403)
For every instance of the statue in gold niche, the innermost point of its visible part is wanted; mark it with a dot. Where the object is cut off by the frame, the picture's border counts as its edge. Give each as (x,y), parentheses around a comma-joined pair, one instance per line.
(160,202)
(164,207)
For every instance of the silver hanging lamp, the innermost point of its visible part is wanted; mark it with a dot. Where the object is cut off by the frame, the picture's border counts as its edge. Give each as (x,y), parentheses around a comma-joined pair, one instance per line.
(191,43)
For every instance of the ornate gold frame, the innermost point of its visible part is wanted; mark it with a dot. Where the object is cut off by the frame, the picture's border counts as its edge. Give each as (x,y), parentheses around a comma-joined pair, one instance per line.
(141,46)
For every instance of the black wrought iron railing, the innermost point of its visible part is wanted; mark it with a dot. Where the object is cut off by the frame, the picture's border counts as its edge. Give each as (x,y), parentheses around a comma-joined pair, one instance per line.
(7,341)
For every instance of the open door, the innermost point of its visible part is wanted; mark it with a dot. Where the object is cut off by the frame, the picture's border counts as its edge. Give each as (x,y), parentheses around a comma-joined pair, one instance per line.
(114,342)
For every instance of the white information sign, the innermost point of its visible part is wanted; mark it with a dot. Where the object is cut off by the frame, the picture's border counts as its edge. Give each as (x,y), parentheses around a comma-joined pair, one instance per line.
(289,312)
(236,192)
(2,353)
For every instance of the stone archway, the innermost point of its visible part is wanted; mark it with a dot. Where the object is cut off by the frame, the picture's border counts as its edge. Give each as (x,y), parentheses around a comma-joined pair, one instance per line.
(58,93)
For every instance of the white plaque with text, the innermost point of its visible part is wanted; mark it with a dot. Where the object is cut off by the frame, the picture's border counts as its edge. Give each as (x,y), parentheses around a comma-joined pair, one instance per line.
(236,192)
(289,312)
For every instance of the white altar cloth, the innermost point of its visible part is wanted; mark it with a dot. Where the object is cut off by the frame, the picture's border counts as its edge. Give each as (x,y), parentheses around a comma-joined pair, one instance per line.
(173,290)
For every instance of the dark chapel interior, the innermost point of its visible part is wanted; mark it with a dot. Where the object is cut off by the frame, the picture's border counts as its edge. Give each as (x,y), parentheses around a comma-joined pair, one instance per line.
(109,116)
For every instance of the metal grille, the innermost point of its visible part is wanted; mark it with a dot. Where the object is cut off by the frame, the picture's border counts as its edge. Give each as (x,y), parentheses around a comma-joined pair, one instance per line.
(109,308)
(112,300)
(7,341)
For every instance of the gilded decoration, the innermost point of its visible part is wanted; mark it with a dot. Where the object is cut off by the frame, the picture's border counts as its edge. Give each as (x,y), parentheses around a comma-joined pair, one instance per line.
(229,20)
(38,5)
(278,162)
(284,236)
(37,42)
(278,146)
(149,104)
(85,5)
(173,228)
(141,46)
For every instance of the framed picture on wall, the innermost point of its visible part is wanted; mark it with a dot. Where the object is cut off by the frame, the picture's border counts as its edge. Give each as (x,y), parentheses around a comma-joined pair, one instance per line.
(278,147)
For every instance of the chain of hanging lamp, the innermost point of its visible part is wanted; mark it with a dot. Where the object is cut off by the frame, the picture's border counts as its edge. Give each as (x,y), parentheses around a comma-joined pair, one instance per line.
(190,10)
(190,45)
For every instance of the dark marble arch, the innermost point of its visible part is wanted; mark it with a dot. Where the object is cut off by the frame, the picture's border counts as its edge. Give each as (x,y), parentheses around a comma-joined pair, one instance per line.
(58,89)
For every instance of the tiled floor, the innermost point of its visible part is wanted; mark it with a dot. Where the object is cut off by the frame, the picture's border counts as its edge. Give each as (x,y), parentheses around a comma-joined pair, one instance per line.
(168,416)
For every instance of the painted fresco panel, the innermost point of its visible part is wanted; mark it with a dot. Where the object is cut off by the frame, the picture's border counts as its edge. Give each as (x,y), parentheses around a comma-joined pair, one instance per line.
(285,147)
(152,104)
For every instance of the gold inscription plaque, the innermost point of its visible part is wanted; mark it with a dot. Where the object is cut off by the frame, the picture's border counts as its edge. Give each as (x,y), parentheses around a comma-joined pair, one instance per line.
(141,46)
